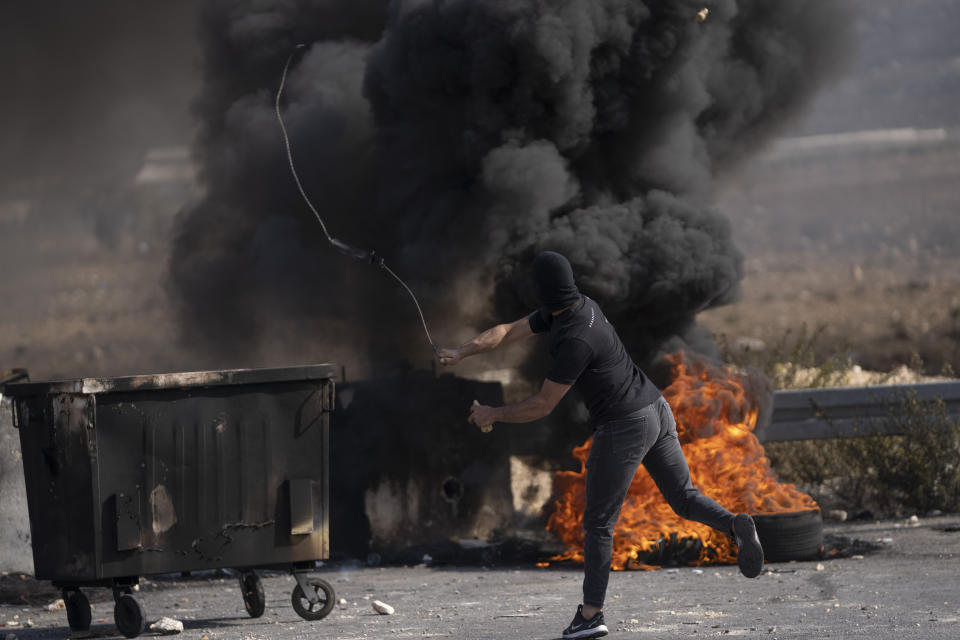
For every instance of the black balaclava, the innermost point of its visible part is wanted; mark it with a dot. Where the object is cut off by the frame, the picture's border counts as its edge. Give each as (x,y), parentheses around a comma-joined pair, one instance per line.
(554,279)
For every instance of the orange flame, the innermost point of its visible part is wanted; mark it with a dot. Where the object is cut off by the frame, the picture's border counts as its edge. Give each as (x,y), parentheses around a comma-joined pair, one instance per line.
(716,411)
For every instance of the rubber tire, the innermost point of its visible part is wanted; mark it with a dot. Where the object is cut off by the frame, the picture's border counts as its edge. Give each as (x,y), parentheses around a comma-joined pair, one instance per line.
(79,615)
(129,616)
(251,587)
(303,607)
(790,536)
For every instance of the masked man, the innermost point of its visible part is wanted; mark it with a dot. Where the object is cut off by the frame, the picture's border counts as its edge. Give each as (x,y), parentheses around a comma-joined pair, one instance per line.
(632,423)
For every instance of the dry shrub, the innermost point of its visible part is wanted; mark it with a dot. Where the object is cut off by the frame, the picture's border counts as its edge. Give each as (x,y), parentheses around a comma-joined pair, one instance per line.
(791,362)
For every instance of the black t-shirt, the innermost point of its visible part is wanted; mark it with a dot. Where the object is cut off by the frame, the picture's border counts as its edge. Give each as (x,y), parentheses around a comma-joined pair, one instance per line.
(588,354)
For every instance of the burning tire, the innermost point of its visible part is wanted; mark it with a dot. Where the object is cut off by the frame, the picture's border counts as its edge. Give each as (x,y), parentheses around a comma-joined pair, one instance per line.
(790,536)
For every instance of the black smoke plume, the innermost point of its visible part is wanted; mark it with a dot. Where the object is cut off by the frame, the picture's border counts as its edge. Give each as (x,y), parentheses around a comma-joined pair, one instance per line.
(459,138)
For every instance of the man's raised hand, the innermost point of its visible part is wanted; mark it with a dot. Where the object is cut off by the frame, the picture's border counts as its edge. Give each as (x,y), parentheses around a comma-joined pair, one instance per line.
(449,357)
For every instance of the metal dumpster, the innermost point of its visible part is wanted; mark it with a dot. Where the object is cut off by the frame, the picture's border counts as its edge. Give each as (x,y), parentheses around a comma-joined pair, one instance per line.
(171,473)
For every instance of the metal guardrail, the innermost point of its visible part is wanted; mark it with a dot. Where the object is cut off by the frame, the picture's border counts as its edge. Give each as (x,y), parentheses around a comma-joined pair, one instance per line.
(811,414)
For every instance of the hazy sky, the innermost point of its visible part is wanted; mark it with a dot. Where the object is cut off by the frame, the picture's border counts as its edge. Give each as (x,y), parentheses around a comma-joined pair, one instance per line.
(88,87)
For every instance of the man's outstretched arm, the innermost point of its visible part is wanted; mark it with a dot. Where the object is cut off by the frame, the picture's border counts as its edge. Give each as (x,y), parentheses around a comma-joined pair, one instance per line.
(498,336)
(533,408)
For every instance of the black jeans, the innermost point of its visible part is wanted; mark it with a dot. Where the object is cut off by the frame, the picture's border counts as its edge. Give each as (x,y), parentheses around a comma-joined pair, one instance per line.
(649,436)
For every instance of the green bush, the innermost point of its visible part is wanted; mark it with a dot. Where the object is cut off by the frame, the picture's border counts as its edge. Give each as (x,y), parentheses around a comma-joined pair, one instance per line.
(916,471)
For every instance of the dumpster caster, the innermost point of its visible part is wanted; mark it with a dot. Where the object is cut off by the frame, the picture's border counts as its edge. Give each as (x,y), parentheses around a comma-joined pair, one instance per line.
(129,615)
(251,587)
(312,598)
(78,609)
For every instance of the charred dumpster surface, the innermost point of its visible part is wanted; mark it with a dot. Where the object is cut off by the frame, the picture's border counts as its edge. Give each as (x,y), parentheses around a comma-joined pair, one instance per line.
(177,472)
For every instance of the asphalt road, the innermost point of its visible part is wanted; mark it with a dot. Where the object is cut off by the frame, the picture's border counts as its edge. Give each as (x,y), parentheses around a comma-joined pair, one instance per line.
(909,588)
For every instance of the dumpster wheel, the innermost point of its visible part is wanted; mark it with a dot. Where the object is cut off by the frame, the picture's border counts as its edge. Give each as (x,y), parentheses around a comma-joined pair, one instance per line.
(251,587)
(129,616)
(78,609)
(322,593)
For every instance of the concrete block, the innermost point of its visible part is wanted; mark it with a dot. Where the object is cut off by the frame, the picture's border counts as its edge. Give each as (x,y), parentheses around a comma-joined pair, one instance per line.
(16,554)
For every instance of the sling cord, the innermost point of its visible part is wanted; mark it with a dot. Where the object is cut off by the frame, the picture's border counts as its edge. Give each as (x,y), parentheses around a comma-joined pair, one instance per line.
(360,254)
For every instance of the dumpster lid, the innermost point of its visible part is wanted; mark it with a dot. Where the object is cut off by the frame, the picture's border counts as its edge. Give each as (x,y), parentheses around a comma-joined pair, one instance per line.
(175,380)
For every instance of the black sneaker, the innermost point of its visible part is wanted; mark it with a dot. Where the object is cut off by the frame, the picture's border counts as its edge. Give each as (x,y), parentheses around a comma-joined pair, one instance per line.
(749,551)
(583,628)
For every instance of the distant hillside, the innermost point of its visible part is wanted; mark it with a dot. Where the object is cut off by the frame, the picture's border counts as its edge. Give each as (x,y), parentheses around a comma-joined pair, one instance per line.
(906,72)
